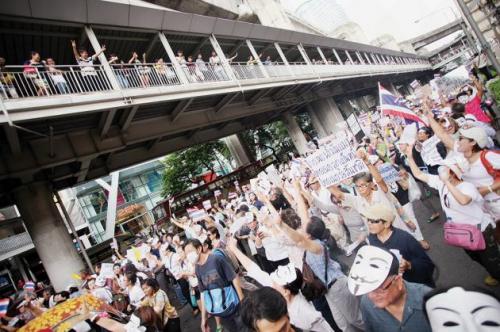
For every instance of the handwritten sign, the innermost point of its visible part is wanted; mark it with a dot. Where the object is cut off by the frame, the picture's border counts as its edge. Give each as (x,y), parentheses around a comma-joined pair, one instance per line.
(429,153)
(389,173)
(335,162)
(217,193)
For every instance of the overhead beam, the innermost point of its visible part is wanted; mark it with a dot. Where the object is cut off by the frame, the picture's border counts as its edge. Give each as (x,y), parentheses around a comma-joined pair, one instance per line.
(106,121)
(12,139)
(224,101)
(127,117)
(256,97)
(180,107)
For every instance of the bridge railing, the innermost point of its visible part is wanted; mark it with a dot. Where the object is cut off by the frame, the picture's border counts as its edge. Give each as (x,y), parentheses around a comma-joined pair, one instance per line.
(30,81)
(144,75)
(246,71)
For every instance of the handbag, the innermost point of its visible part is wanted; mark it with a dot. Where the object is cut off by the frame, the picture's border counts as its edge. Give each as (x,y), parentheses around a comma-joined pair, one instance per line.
(465,236)
(461,235)
(313,288)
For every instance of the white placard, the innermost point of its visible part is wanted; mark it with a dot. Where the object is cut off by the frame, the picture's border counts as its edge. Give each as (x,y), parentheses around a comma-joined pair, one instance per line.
(207,205)
(107,271)
(389,173)
(353,124)
(429,153)
(335,162)
(217,193)
(273,175)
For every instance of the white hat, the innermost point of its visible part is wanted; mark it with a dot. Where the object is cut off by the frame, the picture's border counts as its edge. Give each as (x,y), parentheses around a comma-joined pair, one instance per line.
(284,274)
(477,134)
(458,164)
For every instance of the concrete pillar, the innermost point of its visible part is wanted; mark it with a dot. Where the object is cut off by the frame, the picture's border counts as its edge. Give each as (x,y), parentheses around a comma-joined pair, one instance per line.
(49,234)
(238,150)
(363,106)
(316,121)
(296,134)
(328,114)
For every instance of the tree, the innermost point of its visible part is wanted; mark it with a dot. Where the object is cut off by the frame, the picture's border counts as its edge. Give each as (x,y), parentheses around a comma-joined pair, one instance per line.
(183,167)
(272,136)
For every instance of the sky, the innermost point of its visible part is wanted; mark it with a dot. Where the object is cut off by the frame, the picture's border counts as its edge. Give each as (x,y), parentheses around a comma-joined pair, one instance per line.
(397,17)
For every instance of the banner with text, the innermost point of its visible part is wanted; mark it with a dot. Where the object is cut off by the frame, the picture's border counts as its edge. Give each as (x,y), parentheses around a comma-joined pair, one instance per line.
(335,162)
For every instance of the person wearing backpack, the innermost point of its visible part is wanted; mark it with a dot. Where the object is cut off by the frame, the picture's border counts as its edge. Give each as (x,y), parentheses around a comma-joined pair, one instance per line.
(220,289)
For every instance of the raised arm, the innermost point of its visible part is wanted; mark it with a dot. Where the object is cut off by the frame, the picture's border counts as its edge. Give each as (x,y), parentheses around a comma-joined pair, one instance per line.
(300,239)
(439,131)
(75,52)
(178,224)
(373,170)
(103,48)
(413,166)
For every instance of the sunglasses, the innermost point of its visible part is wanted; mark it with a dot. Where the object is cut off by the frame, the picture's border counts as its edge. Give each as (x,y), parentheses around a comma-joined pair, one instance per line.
(374,221)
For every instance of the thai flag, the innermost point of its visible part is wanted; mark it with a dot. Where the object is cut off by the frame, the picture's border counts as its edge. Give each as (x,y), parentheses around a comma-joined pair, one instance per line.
(392,105)
(4,306)
(196,214)
(29,286)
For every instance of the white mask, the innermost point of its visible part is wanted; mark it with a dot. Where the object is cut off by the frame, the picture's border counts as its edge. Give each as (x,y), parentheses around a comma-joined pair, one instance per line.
(458,310)
(193,257)
(369,270)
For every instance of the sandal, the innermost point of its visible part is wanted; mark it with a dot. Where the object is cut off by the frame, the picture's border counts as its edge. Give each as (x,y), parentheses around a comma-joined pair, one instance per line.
(433,217)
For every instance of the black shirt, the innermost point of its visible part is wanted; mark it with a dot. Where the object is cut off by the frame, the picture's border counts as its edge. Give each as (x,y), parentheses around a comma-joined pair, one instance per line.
(422,266)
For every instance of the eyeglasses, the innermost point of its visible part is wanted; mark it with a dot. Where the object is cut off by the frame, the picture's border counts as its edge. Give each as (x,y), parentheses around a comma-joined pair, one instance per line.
(364,185)
(374,221)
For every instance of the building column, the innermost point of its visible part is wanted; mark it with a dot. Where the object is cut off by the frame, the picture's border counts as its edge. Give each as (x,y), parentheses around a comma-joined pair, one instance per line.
(50,236)
(237,149)
(295,133)
(329,114)
(316,120)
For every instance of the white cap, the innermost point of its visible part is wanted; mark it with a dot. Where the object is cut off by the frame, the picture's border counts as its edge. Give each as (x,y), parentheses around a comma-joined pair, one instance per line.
(477,134)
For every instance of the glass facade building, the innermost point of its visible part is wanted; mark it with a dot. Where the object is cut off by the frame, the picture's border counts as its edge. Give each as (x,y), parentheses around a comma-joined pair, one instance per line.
(138,185)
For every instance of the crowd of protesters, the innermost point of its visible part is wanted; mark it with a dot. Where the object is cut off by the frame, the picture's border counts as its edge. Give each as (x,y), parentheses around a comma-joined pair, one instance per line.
(269,258)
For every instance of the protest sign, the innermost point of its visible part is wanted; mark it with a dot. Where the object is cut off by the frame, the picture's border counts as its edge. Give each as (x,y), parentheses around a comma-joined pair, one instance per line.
(335,162)
(409,134)
(389,173)
(353,124)
(429,153)
(217,193)
(207,205)
(107,271)
(273,175)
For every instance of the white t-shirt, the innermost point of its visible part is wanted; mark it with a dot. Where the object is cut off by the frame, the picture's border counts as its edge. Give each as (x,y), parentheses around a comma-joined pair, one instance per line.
(471,213)
(302,313)
(135,294)
(274,247)
(479,176)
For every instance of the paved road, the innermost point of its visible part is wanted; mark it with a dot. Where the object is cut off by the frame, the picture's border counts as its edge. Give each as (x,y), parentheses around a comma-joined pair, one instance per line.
(454,266)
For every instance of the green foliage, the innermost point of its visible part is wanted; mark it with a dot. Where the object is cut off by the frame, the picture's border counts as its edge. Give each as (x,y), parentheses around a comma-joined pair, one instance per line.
(272,136)
(182,167)
(494,88)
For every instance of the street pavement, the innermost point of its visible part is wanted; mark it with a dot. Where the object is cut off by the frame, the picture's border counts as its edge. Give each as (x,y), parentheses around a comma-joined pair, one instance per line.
(453,265)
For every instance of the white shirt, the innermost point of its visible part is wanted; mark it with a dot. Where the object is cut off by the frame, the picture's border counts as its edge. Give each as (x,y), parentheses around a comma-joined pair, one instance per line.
(135,294)
(172,263)
(471,213)
(479,176)
(103,294)
(275,249)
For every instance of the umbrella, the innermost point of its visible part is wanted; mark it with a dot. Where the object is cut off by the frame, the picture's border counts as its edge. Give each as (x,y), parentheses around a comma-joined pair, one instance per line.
(65,315)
